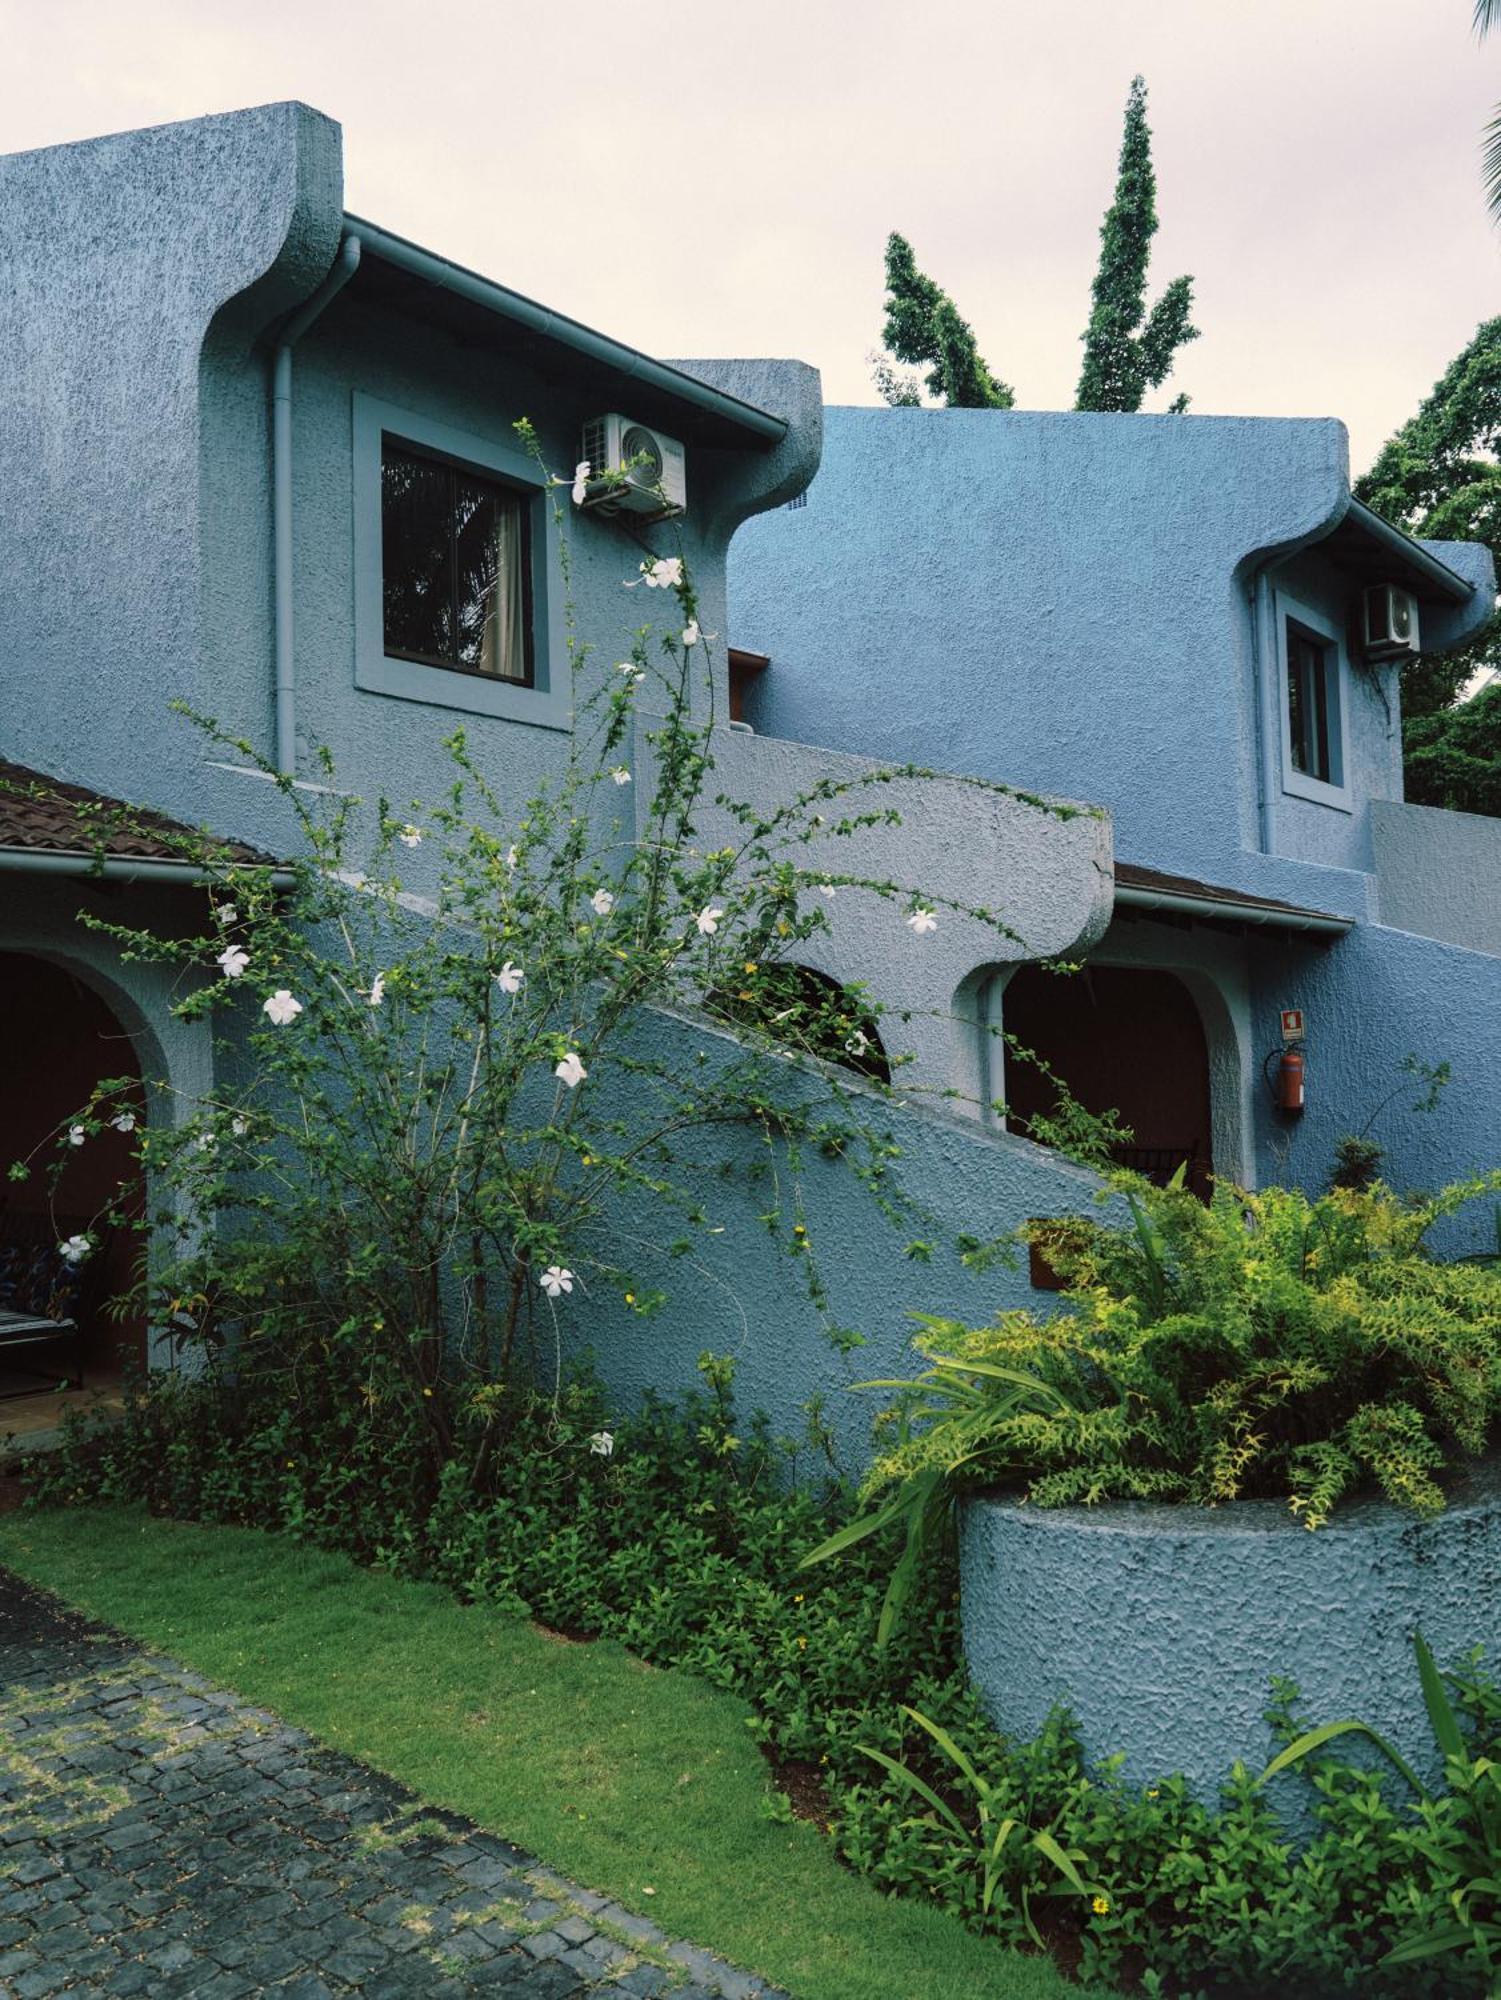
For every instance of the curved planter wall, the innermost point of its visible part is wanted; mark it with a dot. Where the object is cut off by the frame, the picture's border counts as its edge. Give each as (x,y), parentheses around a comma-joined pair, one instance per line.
(1159,1627)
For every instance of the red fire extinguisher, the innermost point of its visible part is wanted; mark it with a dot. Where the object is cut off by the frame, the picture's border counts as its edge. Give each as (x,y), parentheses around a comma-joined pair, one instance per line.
(1290,1081)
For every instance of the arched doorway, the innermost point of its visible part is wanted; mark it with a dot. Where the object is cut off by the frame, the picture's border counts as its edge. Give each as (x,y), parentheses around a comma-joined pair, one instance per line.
(58,1038)
(1123,1038)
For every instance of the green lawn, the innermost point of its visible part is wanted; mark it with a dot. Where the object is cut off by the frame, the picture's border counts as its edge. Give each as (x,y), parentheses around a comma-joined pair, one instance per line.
(616,1773)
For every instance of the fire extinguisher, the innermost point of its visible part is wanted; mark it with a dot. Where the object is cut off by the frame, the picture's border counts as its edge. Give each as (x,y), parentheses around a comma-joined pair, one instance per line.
(1289,1091)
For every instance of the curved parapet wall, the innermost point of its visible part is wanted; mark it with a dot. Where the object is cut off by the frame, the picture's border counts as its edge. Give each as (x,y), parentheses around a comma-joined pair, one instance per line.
(1160,1627)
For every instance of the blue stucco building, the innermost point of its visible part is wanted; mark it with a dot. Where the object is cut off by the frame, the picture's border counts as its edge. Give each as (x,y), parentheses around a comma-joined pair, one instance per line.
(220,386)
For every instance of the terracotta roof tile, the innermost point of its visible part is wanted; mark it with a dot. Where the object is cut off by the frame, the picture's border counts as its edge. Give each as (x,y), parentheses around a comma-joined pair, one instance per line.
(47,816)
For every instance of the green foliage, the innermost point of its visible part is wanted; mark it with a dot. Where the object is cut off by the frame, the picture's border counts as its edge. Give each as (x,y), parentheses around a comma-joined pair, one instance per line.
(684,1541)
(1439,476)
(1267,1346)
(1124,358)
(1462,1829)
(923,325)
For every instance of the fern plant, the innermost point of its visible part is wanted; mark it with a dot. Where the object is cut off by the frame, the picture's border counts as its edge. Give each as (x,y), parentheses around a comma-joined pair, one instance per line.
(1267,1346)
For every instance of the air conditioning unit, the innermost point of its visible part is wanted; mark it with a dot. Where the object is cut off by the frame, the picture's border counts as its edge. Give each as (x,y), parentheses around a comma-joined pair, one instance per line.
(1389,622)
(635,469)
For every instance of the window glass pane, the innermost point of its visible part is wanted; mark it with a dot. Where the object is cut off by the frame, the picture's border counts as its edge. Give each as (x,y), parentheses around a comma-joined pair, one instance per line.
(1308,706)
(489,540)
(417,554)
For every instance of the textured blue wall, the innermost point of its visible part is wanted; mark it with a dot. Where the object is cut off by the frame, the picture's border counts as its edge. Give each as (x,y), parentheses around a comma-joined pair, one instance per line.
(1162,1626)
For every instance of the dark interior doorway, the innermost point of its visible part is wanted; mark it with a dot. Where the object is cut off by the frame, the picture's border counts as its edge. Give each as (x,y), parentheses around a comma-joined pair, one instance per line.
(57,1040)
(1123,1039)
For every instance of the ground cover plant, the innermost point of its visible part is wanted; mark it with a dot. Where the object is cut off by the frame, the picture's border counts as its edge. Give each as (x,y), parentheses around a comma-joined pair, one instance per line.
(681,1533)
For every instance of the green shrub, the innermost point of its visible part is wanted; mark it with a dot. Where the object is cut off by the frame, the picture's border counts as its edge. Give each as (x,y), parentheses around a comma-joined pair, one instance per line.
(680,1531)
(1268,1346)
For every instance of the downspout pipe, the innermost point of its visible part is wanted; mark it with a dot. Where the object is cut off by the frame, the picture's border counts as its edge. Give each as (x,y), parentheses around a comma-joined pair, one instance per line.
(345,266)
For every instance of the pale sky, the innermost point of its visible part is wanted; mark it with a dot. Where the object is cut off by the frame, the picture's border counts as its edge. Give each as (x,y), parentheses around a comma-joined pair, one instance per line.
(718,178)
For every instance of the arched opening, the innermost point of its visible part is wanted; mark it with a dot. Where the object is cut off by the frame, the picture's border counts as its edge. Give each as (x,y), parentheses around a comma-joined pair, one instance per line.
(809,1013)
(58,1039)
(1122,1038)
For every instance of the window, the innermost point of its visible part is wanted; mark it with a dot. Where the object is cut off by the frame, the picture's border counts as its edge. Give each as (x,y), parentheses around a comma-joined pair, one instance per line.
(1311,696)
(455,567)
(455,554)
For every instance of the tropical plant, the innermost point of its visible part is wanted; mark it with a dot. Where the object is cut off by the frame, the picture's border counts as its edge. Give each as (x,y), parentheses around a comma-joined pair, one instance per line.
(992,1835)
(1126,349)
(1267,1346)
(1461,1829)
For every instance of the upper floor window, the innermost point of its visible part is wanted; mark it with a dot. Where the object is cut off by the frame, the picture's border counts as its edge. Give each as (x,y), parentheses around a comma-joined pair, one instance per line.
(1312,706)
(1314,700)
(455,567)
(455,549)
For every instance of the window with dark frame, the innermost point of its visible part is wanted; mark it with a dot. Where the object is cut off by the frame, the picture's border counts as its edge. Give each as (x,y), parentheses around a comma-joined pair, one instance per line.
(1312,715)
(456,584)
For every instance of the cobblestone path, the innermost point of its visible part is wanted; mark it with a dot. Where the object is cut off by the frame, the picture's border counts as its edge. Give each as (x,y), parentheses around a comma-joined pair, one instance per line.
(161,1837)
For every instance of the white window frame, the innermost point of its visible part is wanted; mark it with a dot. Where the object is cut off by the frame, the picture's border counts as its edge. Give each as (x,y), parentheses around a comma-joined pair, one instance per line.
(1298,784)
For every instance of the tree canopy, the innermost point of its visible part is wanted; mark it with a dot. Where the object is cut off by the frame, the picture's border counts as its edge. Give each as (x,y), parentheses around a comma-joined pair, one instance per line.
(923,325)
(1122,357)
(1439,477)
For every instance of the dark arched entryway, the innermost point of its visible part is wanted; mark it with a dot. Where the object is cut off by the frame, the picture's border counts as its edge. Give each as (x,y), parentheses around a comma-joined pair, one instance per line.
(58,1039)
(1123,1039)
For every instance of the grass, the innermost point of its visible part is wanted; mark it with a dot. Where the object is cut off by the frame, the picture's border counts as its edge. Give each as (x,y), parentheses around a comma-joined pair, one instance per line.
(640,1784)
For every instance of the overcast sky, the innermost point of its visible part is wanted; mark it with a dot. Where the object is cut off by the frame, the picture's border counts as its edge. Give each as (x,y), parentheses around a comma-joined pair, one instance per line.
(718,178)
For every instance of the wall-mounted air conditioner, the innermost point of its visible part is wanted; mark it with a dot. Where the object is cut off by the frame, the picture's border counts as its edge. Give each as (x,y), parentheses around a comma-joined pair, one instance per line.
(633,468)
(1389,622)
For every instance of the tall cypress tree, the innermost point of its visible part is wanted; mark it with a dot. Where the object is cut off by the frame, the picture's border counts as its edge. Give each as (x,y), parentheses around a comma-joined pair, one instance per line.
(1120,362)
(923,326)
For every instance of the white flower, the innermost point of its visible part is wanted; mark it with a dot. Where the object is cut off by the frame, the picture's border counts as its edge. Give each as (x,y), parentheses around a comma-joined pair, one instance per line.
(634,674)
(232,961)
(410,836)
(826,889)
(76,1135)
(858,1042)
(602,1444)
(378,990)
(206,1142)
(708,922)
(691,633)
(226,913)
(555,1280)
(921,921)
(509,978)
(581,482)
(666,573)
(281,1009)
(511,857)
(74,1250)
(239,1125)
(621,775)
(603,902)
(124,1121)
(570,1070)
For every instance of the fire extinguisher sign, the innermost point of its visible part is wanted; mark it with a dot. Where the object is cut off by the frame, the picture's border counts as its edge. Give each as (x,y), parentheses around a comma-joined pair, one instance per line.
(1292,1026)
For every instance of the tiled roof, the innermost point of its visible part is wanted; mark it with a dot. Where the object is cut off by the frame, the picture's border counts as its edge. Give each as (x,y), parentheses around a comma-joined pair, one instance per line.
(1186,888)
(46,816)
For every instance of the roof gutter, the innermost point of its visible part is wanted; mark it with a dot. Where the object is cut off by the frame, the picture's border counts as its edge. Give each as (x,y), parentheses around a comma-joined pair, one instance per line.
(345,266)
(1170,903)
(597,347)
(1406,550)
(123,867)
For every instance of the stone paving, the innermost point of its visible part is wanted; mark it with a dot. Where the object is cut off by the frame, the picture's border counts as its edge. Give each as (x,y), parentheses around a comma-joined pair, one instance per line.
(161,1837)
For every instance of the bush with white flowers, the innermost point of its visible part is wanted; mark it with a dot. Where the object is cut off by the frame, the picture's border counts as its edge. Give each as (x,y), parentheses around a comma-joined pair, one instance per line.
(429,1123)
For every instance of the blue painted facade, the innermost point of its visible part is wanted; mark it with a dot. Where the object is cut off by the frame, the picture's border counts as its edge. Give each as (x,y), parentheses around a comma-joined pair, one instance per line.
(1088,607)
(1102,605)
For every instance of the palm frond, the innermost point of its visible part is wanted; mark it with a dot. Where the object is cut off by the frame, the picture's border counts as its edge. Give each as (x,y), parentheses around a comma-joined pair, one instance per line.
(1487,14)
(1490,152)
